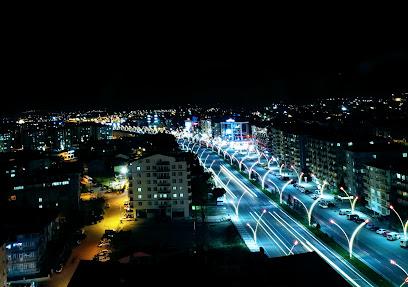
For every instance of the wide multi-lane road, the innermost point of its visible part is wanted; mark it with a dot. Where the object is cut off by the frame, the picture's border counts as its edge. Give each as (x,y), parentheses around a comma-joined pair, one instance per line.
(277,231)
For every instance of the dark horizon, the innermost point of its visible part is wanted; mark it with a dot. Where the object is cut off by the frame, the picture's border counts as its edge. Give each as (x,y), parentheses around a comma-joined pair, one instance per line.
(77,69)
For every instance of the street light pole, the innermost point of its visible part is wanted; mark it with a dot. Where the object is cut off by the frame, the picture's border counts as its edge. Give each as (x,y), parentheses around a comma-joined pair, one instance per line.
(257,224)
(293,246)
(393,262)
(250,170)
(404,227)
(353,235)
(309,210)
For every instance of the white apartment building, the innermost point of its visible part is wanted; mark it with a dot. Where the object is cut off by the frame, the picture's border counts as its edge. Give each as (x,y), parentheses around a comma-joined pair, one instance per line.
(160,185)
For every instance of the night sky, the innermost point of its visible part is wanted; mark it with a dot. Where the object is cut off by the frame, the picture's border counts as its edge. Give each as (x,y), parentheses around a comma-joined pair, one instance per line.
(77,67)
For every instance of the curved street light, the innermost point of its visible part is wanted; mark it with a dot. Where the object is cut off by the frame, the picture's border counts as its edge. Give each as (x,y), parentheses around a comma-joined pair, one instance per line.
(236,207)
(353,235)
(270,160)
(281,190)
(293,246)
(233,156)
(404,227)
(250,169)
(257,224)
(280,169)
(309,210)
(264,177)
(206,159)
(240,163)
(352,203)
(393,262)
(297,174)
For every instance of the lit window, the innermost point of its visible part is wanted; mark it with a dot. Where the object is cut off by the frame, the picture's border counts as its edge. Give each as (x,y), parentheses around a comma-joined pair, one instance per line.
(374,156)
(174,194)
(155,195)
(405,154)
(139,189)
(40,199)
(165,195)
(139,196)
(138,168)
(180,187)
(174,187)
(181,195)
(40,206)
(56,204)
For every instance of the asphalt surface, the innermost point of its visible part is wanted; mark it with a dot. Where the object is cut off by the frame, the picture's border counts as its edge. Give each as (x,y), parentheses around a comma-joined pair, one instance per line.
(276,229)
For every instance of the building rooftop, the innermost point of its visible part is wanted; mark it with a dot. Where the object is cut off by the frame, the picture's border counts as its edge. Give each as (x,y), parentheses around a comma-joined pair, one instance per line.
(397,166)
(14,221)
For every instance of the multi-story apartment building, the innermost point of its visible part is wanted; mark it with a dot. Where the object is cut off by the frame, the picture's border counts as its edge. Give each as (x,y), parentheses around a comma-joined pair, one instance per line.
(325,159)
(27,243)
(160,185)
(35,180)
(386,184)
(206,128)
(6,140)
(261,139)
(289,148)
(358,155)
(3,263)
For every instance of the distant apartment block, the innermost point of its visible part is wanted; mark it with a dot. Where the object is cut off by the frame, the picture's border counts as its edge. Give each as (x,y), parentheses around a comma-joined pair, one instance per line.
(160,186)
(261,139)
(386,184)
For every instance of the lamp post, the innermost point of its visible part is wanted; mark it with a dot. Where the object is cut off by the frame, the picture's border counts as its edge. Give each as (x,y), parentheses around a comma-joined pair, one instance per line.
(240,163)
(404,227)
(280,169)
(393,262)
(293,246)
(353,235)
(281,190)
(257,224)
(272,159)
(236,207)
(309,210)
(299,176)
(206,159)
(352,203)
(252,166)
(233,156)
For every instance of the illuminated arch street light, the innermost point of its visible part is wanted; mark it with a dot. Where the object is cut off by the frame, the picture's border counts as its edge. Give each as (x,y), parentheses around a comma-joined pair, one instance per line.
(236,206)
(404,227)
(352,203)
(309,210)
(240,163)
(201,155)
(293,246)
(264,177)
(280,169)
(212,164)
(353,235)
(393,262)
(206,159)
(281,190)
(272,159)
(257,224)
(233,156)
(251,168)
(299,176)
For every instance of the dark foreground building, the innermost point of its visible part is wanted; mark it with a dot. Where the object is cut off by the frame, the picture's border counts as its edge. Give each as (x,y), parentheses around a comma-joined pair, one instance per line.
(210,269)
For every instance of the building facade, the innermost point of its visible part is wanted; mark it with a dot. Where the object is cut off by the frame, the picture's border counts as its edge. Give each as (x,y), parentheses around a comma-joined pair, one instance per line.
(386,184)
(325,159)
(261,139)
(3,263)
(160,185)
(234,131)
(289,148)
(6,140)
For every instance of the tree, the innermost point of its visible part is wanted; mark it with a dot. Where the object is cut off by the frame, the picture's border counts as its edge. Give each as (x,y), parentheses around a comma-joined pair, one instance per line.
(218,192)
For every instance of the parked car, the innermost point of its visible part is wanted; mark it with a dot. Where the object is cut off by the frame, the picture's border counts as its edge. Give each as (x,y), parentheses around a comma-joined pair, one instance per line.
(331,204)
(381,231)
(104,243)
(344,211)
(374,228)
(352,216)
(59,268)
(317,191)
(314,196)
(307,191)
(369,225)
(404,243)
(359,220)
(323,204)
(386,233)
(393,236)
